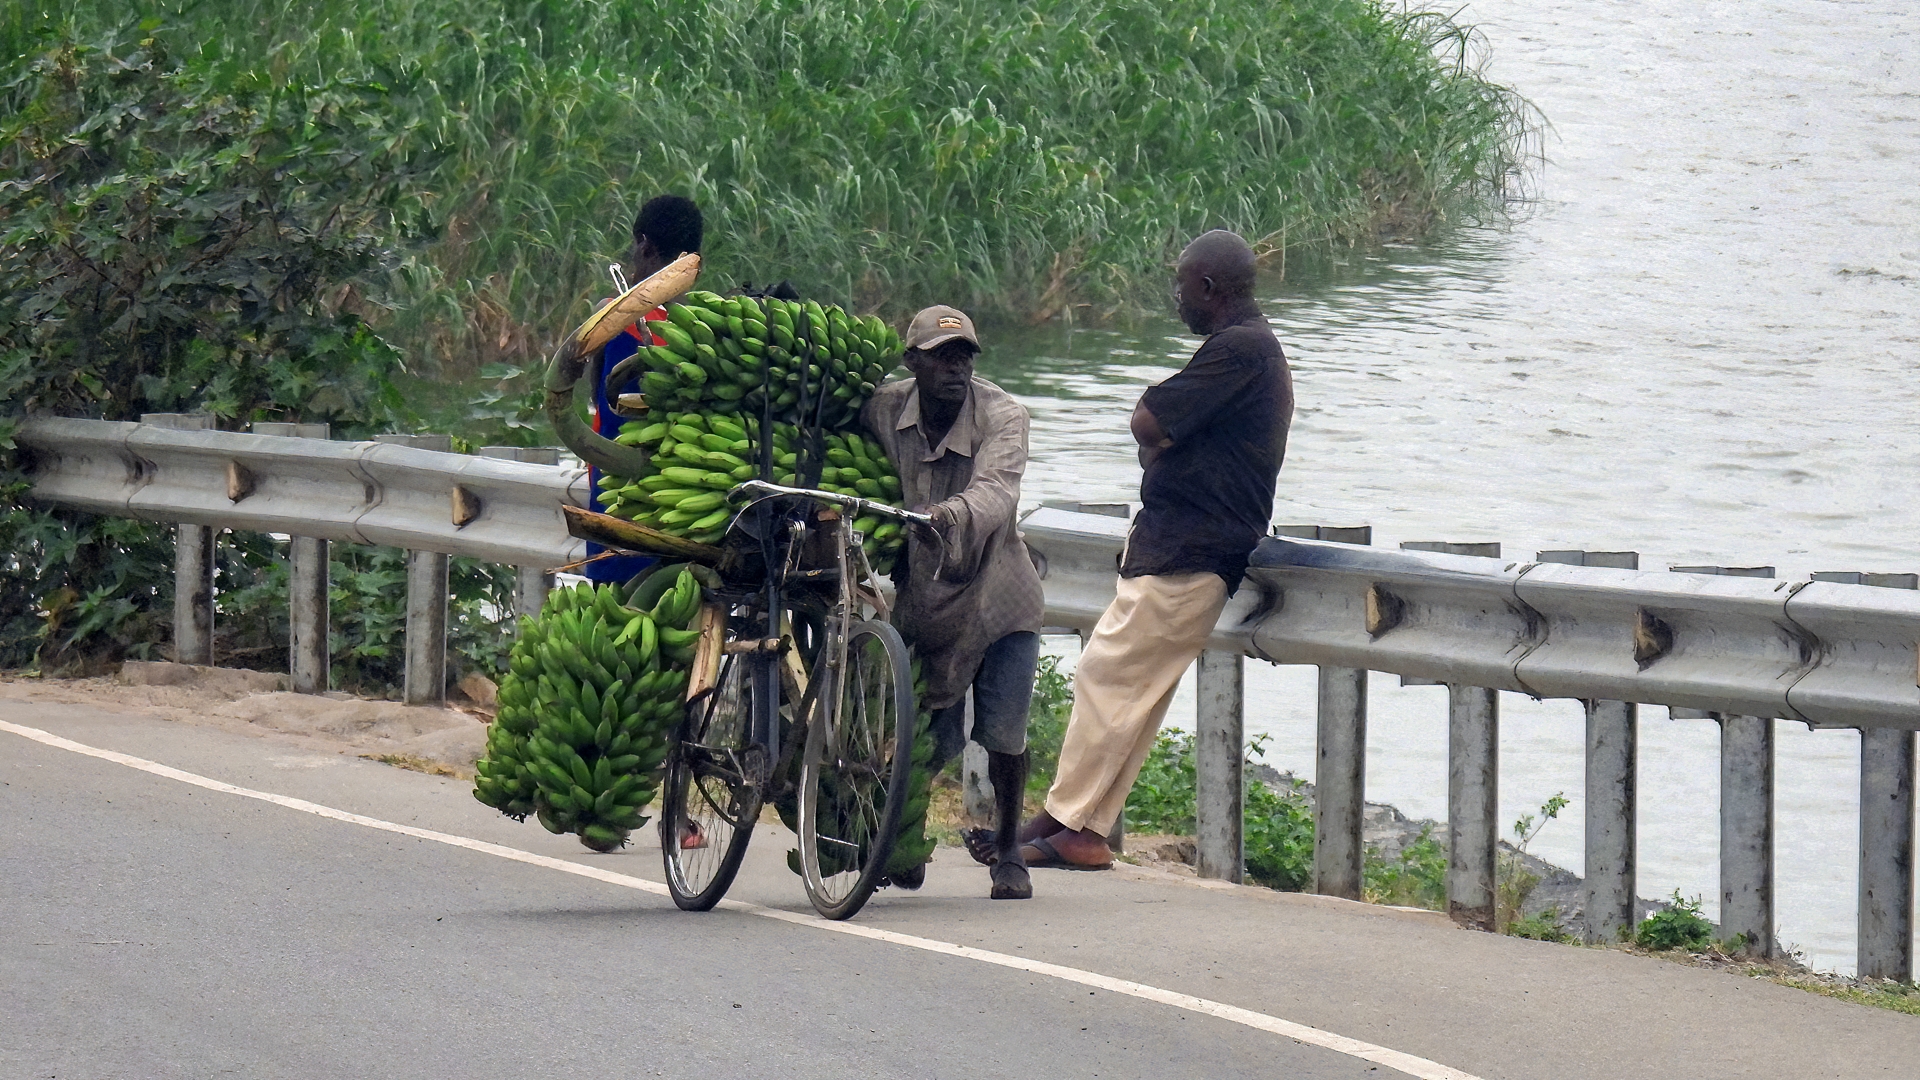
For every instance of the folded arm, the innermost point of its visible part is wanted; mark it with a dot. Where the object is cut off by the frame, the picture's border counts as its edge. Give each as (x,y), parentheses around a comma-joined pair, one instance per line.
(1148,433)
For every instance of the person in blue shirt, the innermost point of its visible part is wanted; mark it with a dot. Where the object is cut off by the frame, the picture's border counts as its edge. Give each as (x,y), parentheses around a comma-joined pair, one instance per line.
(667,227)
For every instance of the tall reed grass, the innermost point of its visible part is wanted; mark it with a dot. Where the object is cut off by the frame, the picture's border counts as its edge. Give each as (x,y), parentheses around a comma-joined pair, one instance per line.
(1031,160)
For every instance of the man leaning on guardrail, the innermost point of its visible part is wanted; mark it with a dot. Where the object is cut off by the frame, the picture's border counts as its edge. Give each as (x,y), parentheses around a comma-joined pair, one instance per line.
(1211,441)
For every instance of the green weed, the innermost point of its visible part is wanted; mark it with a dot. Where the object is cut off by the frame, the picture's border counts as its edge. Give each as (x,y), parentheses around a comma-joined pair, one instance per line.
(1516,883)
(1680,926)
(1417,877)
(1047,724)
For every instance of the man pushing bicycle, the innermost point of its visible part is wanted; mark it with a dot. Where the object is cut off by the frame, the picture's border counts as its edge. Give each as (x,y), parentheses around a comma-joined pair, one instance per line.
(969,599)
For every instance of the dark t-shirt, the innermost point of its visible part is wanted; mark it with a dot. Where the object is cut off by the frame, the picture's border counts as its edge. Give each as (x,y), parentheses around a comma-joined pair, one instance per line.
(1208,498)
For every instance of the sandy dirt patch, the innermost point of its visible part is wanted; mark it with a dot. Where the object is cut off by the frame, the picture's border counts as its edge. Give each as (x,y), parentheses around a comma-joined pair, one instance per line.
(245,702)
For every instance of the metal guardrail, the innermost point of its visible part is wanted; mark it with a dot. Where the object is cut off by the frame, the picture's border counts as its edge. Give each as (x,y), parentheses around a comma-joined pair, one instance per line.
(1822,653)
(353,492)
(1736,647)
(1732,646)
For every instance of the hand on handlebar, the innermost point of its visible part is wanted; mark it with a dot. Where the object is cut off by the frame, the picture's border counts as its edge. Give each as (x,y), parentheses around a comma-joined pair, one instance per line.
(756,490)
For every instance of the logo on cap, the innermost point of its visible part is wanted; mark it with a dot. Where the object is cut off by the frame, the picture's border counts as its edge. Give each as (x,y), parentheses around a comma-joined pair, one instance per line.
(948,322)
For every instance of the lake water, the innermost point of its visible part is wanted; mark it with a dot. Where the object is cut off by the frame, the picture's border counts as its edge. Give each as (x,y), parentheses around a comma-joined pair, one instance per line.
(1697,342)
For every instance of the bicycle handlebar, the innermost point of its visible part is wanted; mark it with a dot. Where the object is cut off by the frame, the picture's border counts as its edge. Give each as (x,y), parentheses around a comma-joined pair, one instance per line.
(756,490)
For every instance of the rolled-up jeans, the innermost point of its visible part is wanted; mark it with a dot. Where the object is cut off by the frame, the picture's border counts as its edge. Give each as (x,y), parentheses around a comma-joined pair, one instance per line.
(1002,694)
(1152,631)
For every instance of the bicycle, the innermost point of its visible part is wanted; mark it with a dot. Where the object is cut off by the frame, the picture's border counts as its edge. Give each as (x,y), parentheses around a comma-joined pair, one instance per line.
(808,705)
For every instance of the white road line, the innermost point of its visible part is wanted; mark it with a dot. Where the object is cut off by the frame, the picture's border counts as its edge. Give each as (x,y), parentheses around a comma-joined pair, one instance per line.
(1312,1036)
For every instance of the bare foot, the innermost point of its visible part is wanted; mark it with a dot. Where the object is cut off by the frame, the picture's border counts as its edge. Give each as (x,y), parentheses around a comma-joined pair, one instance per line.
(691,837)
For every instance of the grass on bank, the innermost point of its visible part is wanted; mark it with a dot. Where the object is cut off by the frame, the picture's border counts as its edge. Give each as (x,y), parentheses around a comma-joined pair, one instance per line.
(1022,160)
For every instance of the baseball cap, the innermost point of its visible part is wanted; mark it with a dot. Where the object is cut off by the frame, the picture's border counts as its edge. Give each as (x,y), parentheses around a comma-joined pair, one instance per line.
(938,325)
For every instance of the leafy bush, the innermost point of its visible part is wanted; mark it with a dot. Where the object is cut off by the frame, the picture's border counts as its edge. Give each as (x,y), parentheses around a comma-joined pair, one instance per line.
(192,238)
(366,612)
(1162,799)
(1047,717)
(1680,926)
(1540,926)
(1279,833)
(1277,828)
(1417,877)
(179,237)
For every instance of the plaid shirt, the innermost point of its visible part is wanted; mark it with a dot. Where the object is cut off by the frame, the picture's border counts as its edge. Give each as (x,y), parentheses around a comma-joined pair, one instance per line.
(987,588)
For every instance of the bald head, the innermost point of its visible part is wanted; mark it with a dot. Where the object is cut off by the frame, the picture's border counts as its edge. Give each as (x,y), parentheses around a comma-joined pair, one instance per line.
(1224,257)
(1215,280)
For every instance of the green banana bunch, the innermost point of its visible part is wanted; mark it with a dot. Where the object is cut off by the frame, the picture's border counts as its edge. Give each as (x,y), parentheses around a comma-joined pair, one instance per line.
(594,690)
(736,354)
(697,458)
(911,845)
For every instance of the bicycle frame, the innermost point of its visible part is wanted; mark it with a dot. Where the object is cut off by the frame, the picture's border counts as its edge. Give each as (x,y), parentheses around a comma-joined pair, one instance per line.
(856,586)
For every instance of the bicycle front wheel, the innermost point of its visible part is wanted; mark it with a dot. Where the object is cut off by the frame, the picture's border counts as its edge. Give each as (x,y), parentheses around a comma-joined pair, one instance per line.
(711,798)
(856,769)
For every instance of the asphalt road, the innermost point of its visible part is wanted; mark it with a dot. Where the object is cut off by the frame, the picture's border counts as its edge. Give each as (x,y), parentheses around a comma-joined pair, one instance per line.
(159,929)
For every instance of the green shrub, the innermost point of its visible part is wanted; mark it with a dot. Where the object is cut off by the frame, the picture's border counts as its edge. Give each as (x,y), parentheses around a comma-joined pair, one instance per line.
(1279,832)
(1417,877)
(184,236)
(1541,926)
(1162,799)
(1047,724)
(1680,926)
(366,612)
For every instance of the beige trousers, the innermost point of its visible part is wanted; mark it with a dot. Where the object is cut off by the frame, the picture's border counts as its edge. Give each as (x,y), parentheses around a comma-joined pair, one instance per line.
(1155,627)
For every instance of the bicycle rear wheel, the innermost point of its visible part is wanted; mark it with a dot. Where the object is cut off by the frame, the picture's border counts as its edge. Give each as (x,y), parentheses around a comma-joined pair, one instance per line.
(856,769)
(711,799)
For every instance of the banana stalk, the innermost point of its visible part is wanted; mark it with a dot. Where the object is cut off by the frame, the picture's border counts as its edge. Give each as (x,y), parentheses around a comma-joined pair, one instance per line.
(565,373)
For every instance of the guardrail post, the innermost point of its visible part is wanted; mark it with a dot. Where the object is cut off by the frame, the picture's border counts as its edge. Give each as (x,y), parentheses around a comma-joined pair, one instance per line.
(1746,831)
(1886,854)
(533,583)
(426,671)
(309,656)
(1473,804)
(1473,781)
(1340,783)
(1613,736)
(1340,767)
(1885,914)
(1220,755)
(193,565)
(1612,871)
(1746,809)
